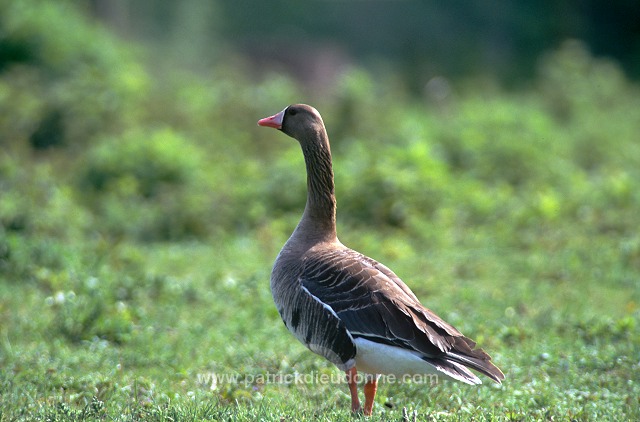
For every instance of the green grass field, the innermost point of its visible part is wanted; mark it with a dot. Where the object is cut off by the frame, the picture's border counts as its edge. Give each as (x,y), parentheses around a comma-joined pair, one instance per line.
(130,332)
(141,211)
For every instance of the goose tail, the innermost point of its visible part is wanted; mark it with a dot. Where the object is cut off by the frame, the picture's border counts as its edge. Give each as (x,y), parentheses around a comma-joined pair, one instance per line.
(462,357)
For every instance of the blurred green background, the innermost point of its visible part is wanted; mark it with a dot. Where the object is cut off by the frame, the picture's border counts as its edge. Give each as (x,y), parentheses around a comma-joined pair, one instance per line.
(491,144)
(140,116)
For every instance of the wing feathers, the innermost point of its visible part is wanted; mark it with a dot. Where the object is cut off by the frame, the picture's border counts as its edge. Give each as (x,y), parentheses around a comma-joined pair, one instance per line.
(375,304)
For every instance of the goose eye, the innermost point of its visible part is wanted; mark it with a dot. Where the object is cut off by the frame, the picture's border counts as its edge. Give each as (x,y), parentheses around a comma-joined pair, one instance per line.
(293,112)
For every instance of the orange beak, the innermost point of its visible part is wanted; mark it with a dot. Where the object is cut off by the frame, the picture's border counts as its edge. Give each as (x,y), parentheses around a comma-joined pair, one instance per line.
(274,121)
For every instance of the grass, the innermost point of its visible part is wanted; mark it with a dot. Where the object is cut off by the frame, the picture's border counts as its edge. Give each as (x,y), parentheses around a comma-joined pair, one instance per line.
(130,331)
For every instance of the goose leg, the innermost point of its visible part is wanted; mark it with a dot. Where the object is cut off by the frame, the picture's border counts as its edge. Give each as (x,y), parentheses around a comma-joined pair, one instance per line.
(370,389)
(352,381)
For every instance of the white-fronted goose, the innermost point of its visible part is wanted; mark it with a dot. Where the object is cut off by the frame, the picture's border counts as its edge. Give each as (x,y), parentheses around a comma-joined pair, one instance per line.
(347,307)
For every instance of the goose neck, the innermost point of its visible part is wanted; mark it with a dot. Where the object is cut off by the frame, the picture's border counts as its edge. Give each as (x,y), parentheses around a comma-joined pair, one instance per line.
(319,215)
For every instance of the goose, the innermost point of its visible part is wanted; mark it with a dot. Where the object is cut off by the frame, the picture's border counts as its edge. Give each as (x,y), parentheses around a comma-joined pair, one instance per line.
(347,307)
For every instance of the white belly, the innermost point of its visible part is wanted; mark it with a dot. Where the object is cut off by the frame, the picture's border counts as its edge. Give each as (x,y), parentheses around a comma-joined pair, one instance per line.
(376,358)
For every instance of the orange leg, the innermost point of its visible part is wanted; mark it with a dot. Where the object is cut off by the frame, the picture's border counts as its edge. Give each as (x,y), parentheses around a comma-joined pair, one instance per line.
(370,388)
(352,378)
